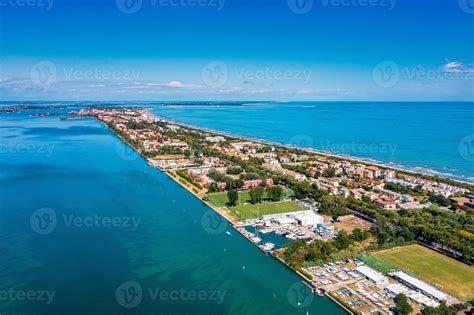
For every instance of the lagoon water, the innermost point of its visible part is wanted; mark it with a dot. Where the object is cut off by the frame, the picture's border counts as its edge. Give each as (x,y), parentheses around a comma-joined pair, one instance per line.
(87,223)
(436,138)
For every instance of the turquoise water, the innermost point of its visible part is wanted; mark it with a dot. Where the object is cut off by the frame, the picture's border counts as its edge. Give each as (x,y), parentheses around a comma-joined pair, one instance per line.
(278,240)
(75,170)
(436,138)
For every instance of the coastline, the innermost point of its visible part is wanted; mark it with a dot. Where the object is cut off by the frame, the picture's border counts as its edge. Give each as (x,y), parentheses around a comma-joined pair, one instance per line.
(365,161)
(216,209)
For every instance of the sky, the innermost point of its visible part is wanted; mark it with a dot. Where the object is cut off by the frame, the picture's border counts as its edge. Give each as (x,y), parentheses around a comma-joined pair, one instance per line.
(282,50)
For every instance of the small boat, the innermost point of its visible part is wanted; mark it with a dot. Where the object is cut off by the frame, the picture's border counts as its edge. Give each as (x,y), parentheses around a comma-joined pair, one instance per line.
(228,233)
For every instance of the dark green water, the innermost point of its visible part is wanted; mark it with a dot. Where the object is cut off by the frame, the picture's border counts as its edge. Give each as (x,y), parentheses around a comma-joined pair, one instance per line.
(145,229)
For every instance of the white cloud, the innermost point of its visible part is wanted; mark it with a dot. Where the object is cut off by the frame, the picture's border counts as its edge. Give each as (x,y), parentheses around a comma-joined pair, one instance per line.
(175,84)
(459,69)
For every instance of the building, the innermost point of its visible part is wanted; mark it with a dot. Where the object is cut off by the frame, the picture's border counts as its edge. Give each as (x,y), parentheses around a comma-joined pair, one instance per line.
(307,218)
(463,202)
(414,205)
(392,194)
(215,139)
(406,198)
(344,192)
(420,286)
(385,203)
(373,276)
(394,289)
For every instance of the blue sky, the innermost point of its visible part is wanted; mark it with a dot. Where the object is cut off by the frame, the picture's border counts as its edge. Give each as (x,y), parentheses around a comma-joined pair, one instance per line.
(237,50)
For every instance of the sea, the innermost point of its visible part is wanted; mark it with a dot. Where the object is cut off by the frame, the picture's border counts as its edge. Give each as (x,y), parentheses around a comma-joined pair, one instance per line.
(435,138)
(88,227)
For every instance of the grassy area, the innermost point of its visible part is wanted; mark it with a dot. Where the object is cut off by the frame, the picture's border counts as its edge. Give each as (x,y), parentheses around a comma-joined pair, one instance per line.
(254,211)
(378,264)
(445,273)
(221,200)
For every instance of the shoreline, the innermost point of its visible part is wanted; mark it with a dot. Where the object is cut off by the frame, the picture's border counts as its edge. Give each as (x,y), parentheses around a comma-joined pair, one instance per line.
(313,151)
(217,210)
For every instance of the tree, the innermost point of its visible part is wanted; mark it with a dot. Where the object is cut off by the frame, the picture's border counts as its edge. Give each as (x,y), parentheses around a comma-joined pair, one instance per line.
(274,193)
(213,187)
(256,194)
(358,235)
(234,170)
(442,309)
(342,240)
(402,305)
(233,196)
(329,172)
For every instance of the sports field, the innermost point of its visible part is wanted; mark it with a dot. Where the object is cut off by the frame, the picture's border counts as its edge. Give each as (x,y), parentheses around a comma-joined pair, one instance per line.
(221,200)
(255,211)
(447,274)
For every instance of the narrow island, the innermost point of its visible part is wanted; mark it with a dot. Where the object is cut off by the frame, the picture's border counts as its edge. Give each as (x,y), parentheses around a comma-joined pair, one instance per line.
(373,238)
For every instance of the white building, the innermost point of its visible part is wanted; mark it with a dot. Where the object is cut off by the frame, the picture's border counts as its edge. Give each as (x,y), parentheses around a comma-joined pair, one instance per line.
(421,286)
(395,289)
(373,275)
(307,218)
(215,139)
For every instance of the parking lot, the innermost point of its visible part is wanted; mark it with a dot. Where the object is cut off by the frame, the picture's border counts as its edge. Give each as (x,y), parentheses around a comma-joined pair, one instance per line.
(342,282)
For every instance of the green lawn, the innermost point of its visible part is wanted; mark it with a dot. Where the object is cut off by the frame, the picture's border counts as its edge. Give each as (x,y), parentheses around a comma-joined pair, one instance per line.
(250,211)
(221,200)
(447,274)
(378,264)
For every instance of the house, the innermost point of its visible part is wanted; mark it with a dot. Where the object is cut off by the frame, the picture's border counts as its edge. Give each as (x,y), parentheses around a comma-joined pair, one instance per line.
(375,171)
(391,194)
(215,139)
(385,203)
(252,183)
(463,201)
(356,194)
(344,192)
(331,189)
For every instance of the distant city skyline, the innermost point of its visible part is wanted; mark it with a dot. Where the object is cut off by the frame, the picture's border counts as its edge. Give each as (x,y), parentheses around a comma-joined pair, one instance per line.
(282,50)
